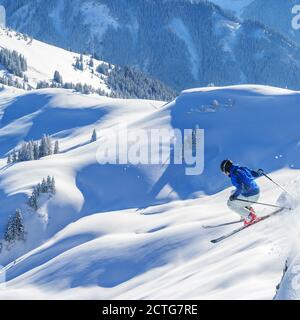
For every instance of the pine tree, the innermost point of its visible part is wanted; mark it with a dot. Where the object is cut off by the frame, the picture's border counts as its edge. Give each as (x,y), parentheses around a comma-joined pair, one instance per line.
(53,187)
(35,151)
(15,230)
(33,200)
(14,156)
(22,153)
(38,189)
(49,145)
(43,148)
(9,159)
(26,152)
(49,184)
(9,232)
(30,153)
(19,223)
(15,63)
(94,136)
(57,77)
(56,147)
(44,187)
(79,63)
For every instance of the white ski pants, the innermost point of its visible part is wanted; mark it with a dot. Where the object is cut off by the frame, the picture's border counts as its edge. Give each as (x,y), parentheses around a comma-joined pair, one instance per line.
(240,207)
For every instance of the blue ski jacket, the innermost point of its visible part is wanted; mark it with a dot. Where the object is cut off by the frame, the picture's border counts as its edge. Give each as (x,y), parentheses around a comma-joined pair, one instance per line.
(244,181)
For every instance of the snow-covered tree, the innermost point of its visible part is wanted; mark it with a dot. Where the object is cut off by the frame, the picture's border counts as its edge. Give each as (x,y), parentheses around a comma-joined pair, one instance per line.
(45,148)
(26,152)
(30,153)
(47,187)
(22,154)
(53,186)
(56,147)
(43,84)
(103,68)
(49,145)
(44,187)
(33,199)
(38,189)
(15,230)
(33,150)
(13,62)
(57,77)
(14,156)
(79,63)
(36,151)
(49,183)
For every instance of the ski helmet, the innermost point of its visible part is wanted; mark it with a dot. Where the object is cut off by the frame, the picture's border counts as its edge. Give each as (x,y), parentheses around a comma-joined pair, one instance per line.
(226,165)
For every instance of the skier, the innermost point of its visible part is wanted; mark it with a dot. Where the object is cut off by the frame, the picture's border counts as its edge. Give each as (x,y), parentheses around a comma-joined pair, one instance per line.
(246,189)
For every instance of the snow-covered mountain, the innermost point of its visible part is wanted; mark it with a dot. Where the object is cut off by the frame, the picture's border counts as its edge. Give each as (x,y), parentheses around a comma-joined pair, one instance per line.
(276,15)
(183,43)
(135,231)
(74,71)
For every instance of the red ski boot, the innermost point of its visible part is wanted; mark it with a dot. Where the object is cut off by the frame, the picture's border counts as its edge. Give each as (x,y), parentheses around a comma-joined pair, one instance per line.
(252,218)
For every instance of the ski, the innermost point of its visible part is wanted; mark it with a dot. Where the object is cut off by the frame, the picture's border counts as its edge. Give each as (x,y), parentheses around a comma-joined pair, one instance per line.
(222,224)
(226,236)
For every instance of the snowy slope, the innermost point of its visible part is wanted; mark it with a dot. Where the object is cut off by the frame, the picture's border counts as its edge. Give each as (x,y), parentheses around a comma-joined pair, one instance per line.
(28,116)
(164,254)
(135,231)
(43,60)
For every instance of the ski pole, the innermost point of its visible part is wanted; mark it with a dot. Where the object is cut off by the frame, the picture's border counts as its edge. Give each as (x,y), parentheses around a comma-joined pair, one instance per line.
(264,204)
(277,184)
